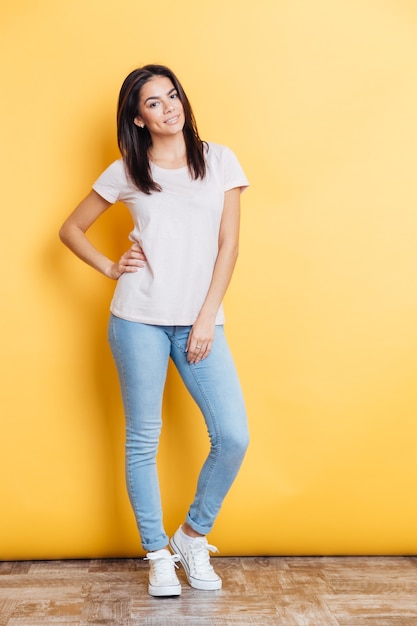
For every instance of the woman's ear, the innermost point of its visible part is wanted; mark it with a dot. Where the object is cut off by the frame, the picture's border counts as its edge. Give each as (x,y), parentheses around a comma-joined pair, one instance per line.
(139,122)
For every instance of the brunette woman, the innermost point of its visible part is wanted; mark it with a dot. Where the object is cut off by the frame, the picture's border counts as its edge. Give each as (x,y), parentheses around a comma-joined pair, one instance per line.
(184,198)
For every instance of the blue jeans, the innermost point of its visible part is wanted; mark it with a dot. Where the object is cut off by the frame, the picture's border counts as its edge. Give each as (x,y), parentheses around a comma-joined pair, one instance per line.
(141,353)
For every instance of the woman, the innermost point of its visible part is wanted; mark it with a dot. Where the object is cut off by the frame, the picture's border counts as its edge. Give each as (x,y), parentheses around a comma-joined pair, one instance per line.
(184,197)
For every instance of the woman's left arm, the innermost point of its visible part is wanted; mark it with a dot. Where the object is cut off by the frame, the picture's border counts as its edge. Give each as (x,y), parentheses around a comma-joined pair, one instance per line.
(202,333)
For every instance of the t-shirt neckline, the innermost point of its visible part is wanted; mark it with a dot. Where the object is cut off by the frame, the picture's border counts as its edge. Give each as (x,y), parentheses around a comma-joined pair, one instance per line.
(168,169)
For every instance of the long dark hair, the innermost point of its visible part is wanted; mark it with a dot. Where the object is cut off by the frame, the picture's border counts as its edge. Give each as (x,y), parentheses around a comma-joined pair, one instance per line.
(134,142)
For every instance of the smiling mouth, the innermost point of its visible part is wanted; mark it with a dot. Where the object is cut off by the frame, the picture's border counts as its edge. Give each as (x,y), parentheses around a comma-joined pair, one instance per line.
(173,120)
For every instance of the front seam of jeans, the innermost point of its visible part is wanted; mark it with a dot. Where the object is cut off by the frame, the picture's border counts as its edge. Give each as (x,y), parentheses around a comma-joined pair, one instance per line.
(219,442)
(127,412)
(214,455)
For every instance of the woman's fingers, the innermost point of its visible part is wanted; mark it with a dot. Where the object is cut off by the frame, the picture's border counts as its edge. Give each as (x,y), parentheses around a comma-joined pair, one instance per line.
(132,260)
(198,347)
(137,251)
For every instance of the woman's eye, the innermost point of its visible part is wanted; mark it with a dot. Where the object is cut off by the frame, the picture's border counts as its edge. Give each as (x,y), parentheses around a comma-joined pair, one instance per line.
(153,105)
(174,95)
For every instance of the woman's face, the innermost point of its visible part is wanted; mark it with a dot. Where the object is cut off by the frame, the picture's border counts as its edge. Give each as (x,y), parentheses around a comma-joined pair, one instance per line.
(160,108)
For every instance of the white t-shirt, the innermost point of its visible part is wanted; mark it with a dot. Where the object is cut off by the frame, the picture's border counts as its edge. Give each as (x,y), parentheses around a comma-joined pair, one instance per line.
(178,230)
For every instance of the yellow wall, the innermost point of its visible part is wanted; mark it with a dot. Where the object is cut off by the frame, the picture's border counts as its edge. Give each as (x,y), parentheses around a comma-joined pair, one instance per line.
(319,101)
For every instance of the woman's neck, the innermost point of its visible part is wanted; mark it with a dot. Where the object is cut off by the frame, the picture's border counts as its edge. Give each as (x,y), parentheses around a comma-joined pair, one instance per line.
(170,154)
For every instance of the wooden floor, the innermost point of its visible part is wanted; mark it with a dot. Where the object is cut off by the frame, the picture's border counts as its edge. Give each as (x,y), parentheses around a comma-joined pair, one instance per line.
(292,591)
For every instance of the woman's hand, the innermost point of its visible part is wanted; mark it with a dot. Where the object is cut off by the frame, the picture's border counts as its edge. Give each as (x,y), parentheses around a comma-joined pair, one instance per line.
(200,340)
(131,261)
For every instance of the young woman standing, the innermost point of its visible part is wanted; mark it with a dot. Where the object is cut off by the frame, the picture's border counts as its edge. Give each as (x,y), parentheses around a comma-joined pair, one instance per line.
(184,198)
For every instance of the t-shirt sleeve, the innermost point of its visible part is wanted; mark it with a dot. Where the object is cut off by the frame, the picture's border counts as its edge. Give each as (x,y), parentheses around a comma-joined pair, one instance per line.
(233,174)
(109,184)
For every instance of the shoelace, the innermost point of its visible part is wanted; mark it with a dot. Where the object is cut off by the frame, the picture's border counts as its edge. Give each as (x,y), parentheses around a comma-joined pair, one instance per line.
(162,566)
(199,556)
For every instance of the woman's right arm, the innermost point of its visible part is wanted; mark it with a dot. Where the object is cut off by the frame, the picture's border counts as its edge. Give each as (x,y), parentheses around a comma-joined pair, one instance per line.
(73,234)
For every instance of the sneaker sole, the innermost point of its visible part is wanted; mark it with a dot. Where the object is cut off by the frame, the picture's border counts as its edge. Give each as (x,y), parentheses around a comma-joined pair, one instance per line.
(164,591)
(202,585)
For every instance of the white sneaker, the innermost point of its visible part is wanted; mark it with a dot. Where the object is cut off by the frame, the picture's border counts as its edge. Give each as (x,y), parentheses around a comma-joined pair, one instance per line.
(195,559)
(163,580)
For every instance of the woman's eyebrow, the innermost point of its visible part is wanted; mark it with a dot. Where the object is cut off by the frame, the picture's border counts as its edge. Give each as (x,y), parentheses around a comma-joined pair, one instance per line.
(157,97)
